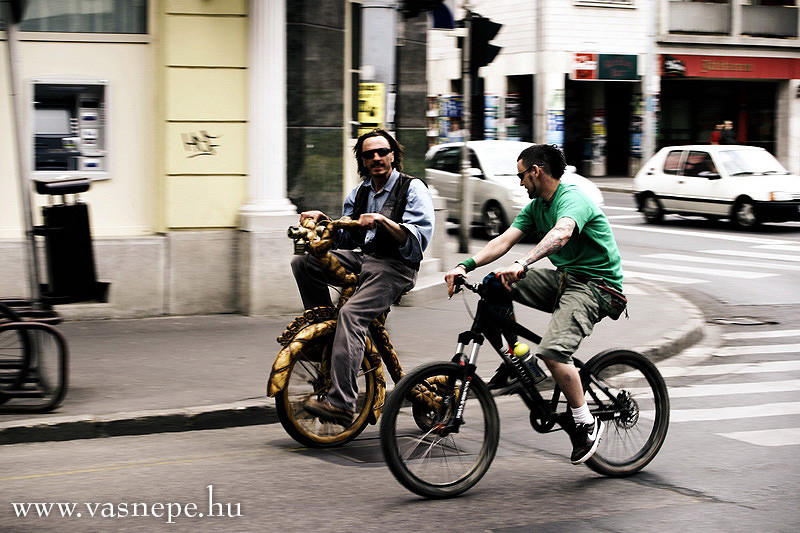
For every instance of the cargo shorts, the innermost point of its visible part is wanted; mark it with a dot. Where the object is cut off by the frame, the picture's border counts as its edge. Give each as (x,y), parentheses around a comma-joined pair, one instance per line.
(574,309)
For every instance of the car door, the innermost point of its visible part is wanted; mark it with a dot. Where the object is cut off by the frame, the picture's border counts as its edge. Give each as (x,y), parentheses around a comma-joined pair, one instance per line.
(444,173)
(665,184)
(699,185)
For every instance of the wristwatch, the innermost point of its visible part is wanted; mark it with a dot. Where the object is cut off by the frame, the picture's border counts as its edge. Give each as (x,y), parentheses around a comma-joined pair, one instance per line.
(523,264)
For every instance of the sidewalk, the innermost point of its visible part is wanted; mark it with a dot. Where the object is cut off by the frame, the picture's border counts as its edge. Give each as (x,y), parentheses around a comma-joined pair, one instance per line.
(166,374)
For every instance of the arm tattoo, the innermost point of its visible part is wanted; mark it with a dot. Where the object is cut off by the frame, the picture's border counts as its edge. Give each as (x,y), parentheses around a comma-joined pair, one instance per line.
(554,240)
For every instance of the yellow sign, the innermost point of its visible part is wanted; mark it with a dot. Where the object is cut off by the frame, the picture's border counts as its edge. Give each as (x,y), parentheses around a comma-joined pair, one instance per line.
(371,106)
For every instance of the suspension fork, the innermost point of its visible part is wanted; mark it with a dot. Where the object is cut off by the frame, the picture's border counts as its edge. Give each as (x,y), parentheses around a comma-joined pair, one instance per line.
(469,362)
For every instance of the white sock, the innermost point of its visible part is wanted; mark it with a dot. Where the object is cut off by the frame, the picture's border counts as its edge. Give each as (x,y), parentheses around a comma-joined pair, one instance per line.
(582,415)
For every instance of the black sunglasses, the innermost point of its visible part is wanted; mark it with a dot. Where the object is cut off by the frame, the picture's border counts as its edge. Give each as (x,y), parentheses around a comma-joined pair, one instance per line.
(521,175)
(382,152)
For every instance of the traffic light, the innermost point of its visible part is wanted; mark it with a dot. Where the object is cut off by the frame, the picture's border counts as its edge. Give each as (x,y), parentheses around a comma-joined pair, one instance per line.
(481,52)
(412,8)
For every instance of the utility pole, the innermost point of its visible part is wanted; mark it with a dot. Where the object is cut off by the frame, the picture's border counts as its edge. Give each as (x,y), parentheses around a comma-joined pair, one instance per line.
(13,13)
(465,214)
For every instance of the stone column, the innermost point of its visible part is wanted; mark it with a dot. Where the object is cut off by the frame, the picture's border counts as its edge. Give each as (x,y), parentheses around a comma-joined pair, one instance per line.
(266,116)
(265,283)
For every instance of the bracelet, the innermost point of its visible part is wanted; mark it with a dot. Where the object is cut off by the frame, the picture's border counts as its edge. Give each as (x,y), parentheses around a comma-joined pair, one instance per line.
(468,264)
(524,265)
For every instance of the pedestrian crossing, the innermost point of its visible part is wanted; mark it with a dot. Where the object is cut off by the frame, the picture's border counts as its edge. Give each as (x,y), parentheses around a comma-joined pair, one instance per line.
(705,266)
(737,387)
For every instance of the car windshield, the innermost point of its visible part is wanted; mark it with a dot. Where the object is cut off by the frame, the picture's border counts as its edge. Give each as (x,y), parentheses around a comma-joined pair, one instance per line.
(750,162)
(501,160)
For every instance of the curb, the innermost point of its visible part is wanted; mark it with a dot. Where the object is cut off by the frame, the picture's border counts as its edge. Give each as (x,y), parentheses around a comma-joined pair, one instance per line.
(244,413)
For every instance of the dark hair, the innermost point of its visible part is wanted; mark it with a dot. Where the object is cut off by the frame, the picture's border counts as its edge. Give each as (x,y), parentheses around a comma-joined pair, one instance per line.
(548,156)
(396,147)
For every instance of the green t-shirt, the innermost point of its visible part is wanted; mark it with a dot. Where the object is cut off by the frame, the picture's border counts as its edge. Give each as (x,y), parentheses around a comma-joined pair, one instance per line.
(592,251)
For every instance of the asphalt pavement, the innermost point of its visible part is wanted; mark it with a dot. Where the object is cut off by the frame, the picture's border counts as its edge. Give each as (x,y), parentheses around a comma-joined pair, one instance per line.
(139,376)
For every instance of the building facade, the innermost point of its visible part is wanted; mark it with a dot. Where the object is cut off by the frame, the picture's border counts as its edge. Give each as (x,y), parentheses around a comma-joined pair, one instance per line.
(205,126)
(612,80)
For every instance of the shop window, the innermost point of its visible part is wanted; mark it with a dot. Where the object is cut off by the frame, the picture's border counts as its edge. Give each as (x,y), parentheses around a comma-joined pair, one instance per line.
(85,16)
(69,127)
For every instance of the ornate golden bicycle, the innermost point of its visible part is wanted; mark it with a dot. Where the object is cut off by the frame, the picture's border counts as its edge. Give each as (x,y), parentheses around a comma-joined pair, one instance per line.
(302,367)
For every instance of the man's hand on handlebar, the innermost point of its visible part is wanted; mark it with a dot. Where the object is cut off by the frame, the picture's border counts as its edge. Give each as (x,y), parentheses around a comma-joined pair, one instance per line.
(315,215)
(510,274)
(451,277)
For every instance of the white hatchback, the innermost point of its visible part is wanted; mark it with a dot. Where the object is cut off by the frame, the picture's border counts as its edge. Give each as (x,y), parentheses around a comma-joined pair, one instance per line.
(745,184)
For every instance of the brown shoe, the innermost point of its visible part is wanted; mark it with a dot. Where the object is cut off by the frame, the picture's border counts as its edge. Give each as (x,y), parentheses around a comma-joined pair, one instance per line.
(328,412)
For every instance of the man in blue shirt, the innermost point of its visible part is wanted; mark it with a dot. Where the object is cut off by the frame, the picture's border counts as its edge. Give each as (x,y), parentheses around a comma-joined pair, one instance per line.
(395,214)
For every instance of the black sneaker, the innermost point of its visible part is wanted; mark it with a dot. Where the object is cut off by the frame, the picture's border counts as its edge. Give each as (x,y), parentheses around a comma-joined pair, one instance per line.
(585,439)
(504,381)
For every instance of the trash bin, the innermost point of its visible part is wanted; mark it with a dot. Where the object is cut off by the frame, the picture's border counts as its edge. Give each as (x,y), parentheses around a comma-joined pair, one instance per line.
(71,275)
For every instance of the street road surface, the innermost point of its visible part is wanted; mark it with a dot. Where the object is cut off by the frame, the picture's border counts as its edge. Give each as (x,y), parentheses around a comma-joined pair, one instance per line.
(729,462)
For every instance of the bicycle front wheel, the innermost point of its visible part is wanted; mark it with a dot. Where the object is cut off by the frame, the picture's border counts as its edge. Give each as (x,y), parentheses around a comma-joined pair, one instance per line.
(627,391)
(309,378)
(429,451)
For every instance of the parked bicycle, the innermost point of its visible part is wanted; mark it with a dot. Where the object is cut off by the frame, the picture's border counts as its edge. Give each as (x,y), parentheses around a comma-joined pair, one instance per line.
(302,367)
(33,358)
(446,449)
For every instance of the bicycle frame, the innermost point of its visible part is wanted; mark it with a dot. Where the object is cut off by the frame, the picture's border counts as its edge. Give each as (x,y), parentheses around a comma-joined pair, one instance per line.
(492,326)
(317,239)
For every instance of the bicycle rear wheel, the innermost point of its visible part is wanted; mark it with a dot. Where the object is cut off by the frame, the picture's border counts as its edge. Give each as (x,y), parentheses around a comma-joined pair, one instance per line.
(15,353)
(308,379)
(425,451)
(627,391)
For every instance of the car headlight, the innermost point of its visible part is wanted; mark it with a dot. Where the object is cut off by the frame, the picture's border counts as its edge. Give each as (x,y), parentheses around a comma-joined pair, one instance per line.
(780,196)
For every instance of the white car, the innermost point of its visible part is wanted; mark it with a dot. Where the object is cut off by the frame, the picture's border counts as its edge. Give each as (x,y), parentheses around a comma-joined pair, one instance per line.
(745,184)
(497,194)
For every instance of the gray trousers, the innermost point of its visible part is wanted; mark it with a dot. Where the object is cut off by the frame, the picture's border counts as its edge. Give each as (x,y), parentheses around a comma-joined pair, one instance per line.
(380,281)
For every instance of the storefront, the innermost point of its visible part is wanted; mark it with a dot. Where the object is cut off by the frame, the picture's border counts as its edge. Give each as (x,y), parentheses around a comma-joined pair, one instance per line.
(601,99)
(699,92)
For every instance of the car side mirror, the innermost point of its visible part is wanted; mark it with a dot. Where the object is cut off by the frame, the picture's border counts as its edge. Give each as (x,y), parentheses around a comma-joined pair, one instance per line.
(710,175)
(474,172)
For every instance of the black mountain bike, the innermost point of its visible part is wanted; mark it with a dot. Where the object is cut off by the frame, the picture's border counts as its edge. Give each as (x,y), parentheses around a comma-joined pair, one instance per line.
(443,446)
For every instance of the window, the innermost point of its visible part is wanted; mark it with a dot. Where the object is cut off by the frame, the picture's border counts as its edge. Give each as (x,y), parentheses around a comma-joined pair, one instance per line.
(672,162)
(69,120)
(697,163)
(85,16)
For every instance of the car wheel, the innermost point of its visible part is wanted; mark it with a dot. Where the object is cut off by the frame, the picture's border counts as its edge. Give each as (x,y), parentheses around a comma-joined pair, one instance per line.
(652,210)
(493,220)
(744,214)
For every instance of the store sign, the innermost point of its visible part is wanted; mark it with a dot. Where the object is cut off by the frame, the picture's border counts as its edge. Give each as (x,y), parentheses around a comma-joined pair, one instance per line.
(691,66)
(604,67)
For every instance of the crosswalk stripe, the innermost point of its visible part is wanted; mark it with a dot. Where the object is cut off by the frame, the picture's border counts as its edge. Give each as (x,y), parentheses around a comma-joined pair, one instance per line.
(700,234)
(731,413)
(742,274)
(760,348)
(729,368)
(757,255)
(629,274)
(780,247)
(761,334)
(620,208)
(722,389)
(718,261)
(767,437)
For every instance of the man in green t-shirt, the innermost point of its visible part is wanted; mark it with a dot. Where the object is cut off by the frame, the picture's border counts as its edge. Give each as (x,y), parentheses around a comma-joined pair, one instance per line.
(585,287)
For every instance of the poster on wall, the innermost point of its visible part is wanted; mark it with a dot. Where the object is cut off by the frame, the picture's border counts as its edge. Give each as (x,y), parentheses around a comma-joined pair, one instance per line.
(513,116)
(491,110)
(555,118)
(371,106)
